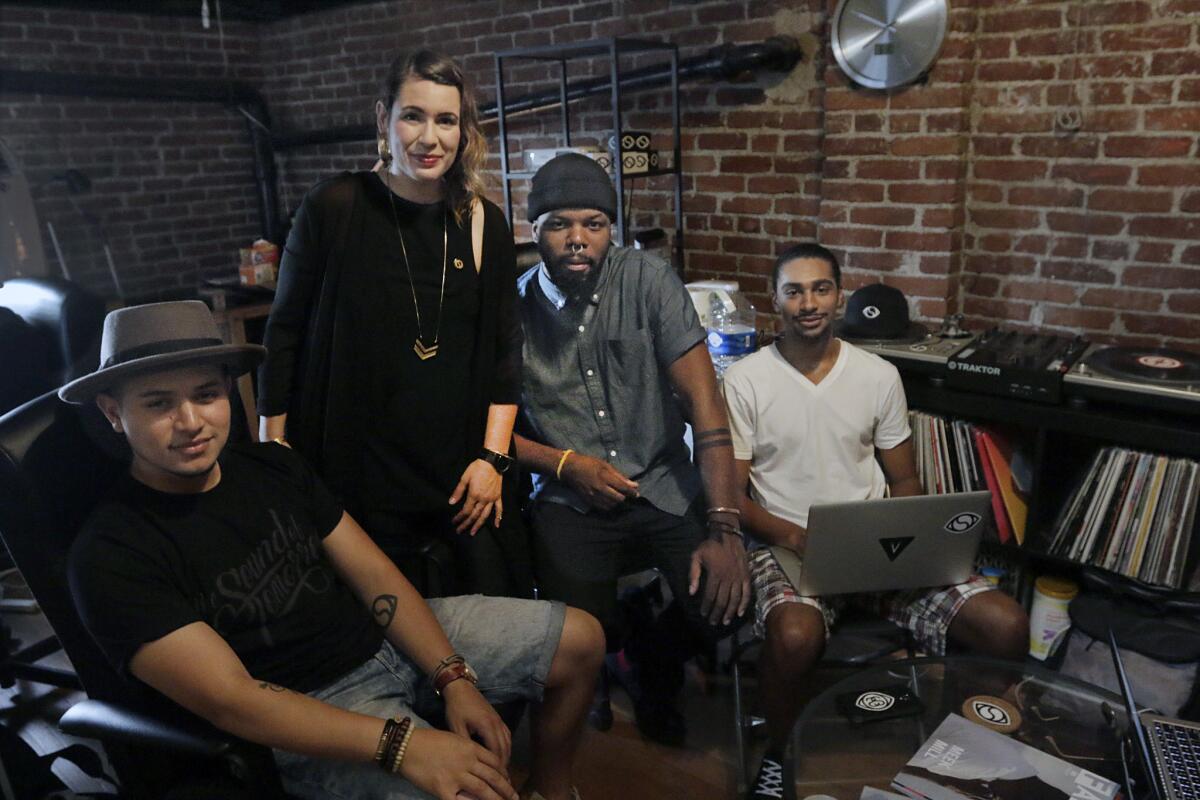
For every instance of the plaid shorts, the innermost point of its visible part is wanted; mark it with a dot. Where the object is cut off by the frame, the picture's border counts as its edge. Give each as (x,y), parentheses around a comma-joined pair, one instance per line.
(926,613)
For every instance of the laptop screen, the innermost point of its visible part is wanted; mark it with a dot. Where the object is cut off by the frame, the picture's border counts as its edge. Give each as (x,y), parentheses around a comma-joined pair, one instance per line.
(1141,742)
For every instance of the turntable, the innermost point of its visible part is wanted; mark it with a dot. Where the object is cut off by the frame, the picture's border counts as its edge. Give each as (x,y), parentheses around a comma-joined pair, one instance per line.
(1147,377)
(919,349)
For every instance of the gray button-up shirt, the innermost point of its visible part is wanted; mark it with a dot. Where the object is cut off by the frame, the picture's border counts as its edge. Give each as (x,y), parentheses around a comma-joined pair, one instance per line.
(596,380)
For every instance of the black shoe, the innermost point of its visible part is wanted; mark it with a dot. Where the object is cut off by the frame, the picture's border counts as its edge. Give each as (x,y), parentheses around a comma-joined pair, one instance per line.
(659,721)
(773,781)
(655,714)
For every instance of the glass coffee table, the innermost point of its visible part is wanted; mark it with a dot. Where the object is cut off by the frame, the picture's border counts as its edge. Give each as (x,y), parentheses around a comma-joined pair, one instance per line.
(837,758)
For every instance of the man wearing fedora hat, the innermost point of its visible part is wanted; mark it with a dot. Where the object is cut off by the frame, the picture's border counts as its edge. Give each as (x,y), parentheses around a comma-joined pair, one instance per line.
(614,361)
(817,420)
(229,579)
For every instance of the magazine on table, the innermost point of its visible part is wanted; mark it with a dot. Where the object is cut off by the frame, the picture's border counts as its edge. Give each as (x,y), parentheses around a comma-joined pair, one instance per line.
(964,760)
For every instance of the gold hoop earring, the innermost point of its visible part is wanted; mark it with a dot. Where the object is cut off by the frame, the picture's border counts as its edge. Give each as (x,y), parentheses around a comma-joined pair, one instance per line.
(385,152)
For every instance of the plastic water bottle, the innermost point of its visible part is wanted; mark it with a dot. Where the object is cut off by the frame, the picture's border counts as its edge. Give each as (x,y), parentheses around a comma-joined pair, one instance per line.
(731,335)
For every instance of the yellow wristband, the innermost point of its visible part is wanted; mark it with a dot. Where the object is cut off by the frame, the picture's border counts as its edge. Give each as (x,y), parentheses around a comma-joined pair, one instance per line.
(561,461)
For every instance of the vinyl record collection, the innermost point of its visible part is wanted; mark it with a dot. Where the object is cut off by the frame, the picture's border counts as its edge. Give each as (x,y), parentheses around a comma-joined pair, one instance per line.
(956,456)
(1133,513)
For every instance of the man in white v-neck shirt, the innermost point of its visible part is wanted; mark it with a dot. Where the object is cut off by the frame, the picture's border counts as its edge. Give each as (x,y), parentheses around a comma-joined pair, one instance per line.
(817,420)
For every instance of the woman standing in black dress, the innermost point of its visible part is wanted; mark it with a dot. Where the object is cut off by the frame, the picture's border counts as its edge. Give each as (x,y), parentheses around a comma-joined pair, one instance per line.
(394,348)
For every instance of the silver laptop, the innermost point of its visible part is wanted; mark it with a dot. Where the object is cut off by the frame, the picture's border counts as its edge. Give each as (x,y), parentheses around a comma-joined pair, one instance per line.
(1168,748)
(890,543)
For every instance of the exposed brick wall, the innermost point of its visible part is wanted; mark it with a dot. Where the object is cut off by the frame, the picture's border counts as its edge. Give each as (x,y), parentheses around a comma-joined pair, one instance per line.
(172,182)
(1056,184)
(973,192)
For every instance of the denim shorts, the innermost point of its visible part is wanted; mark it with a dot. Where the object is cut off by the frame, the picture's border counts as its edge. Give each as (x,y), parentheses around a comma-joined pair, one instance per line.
(510,645)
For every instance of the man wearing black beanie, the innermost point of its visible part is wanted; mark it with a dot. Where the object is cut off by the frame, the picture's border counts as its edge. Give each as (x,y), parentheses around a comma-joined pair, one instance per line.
(614,362)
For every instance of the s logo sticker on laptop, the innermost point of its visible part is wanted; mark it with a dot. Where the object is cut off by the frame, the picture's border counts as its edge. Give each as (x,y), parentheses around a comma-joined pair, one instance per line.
(893,546)
(875,701)
(961,523)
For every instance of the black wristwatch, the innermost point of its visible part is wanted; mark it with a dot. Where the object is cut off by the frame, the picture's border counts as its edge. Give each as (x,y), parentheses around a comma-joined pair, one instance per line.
(499,461)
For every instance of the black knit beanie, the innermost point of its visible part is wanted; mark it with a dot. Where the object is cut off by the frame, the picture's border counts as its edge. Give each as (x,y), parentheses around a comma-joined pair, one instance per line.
(571,180)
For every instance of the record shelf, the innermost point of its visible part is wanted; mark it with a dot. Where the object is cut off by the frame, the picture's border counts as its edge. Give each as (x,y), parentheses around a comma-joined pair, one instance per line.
(1062,440)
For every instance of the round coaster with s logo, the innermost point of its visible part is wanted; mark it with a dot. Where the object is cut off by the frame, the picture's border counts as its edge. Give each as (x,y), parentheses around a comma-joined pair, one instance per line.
(993,712)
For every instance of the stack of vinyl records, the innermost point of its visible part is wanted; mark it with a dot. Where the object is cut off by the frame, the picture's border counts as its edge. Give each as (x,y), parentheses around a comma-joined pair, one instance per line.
(956,456)
(1134,514)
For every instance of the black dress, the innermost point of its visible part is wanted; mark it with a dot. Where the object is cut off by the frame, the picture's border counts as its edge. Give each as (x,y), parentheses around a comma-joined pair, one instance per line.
(389,432)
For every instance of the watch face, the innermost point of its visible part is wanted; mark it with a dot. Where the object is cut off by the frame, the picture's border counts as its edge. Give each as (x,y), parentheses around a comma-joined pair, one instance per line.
(882,44)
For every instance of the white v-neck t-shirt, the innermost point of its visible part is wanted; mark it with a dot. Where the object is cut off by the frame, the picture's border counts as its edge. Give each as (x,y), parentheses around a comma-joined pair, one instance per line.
(812,443)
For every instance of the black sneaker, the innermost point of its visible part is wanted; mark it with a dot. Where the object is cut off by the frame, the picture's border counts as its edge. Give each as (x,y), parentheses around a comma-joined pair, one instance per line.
(773,781)
(656,717)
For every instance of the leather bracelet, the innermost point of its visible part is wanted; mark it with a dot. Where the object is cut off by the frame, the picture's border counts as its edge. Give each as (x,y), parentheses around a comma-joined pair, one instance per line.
(399,730)
(389,725)
(450,674)
(561,462)
(453,658)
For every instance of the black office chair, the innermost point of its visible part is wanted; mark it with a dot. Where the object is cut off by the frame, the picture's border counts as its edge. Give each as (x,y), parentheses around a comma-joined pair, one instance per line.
(68,318)
(56,462)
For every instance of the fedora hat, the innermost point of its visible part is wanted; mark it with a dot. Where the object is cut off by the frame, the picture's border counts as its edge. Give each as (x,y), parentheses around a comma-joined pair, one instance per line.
(158,337)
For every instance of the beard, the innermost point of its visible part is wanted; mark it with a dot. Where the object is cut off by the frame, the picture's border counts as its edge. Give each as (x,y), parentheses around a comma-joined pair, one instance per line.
(573,282)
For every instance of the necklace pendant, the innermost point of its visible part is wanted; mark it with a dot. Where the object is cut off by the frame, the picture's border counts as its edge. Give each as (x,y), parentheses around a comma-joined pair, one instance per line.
(424,353)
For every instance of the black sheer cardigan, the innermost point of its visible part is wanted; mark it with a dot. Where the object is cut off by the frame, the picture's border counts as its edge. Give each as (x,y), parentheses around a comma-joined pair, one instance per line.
(306,341)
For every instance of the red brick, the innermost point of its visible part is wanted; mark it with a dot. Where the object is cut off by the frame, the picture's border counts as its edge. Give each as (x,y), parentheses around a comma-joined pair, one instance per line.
(925,97)
(1046,291)
(1077,272)
(934,218)
(1021,122)
(905,123)
(985,193)
(1162,325)
(1181,303)
(855,100)
(1189,91)
(1045,196)
(1190,255)
(1102,174)
(992,145)
(928,242)
(883,215)
(1069,247)
(883,261)
(935,264)
(746,245)
(1130,299)
(1156,93)
(943,169)
(1010,219)
(1165,227)
(1006,170)
(1129,201)
(1169,175)
(1078,318)
(1173,119)
(1145,40)
(1107,94)
(852,191)
(868,123)
(923,193)
(1128,66)
(1062,42)
(1190,203)
(1148,146)
(1127,13)
(1156,252)
(724,140)
(1023,19)
(1012,71)
(773,184)
(996,242)
(1162,277)
(1090,224)
(1059,147)
(952,122)
(720,183)
(1110,250)
(888,170)
(851,237)
(975,307)
(744,205)
(1032,243)
(927,146)
(856,146)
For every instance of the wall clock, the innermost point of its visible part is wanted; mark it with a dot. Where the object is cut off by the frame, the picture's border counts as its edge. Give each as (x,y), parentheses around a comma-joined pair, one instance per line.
(883,44)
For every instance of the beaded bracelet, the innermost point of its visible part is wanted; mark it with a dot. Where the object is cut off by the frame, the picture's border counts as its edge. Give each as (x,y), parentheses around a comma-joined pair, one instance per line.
(403,748)
(561,462)
(398,733)
(389,727)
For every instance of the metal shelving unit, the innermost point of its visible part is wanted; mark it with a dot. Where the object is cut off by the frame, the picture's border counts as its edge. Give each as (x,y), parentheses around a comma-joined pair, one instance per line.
(613,48)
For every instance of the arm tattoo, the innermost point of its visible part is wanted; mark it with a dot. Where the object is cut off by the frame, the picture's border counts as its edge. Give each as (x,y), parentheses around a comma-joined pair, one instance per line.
(724,441)
(699,436)
(383,609)
(272,686)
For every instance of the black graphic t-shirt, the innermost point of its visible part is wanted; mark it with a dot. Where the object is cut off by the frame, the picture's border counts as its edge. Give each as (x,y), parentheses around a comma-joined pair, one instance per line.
(245,557)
